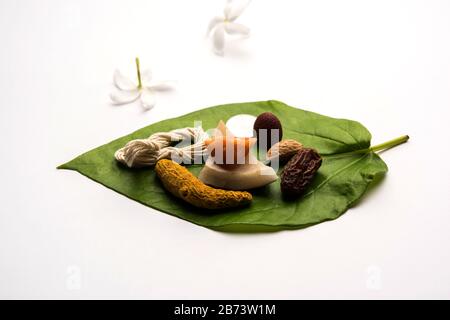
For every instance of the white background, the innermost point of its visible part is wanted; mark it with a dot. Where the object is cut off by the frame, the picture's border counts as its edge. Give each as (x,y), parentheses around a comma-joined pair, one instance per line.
(383,63)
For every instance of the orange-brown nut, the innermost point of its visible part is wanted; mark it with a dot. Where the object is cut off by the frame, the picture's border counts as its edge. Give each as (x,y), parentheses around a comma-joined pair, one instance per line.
(284,150)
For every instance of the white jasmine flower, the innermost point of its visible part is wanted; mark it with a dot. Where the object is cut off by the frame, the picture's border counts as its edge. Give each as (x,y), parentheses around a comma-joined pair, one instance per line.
(128,91)
(226,24)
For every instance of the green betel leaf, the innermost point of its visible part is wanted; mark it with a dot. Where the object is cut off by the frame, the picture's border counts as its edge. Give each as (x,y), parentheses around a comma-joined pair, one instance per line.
(349,166)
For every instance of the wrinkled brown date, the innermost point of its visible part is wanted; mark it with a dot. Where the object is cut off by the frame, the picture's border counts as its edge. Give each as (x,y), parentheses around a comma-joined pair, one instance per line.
(299,172)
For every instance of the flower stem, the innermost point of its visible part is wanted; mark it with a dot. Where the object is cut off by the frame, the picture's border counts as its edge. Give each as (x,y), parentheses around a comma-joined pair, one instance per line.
(383,146)
(138,68)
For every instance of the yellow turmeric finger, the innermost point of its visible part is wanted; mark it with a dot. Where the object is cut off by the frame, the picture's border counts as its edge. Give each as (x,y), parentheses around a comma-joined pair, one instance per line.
(183,184)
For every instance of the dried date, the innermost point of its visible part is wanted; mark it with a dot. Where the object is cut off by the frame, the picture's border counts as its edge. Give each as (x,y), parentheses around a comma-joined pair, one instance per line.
(300,171)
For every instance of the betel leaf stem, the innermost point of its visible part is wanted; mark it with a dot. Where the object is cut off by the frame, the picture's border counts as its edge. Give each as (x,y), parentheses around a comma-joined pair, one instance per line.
(138,68)
(389,144)
(382,146)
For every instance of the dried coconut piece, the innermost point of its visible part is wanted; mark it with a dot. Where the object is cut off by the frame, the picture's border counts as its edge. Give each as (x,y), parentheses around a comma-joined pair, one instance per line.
(241,177)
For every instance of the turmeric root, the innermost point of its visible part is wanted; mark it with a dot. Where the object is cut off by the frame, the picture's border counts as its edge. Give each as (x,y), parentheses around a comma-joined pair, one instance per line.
(183,184)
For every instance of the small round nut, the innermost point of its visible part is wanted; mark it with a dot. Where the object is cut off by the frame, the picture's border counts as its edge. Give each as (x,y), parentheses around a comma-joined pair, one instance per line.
(284,150)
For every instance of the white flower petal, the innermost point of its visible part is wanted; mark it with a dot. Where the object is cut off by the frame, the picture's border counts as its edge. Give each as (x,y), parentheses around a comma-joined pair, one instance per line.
(123,97)
(237,9)
(236,28)
(214,22)
(148,99)
(146,77)
(227,10)
(219,39)
(161,86)
(122,82)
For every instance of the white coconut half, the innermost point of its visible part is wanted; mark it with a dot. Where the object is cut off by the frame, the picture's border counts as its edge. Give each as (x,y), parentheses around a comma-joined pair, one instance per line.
(240,177)
(241,125)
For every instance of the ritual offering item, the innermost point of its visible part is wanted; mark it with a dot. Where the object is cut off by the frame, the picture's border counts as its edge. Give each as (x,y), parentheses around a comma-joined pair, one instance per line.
(284,150)
(268,130)
(184,185)
(231,165)
(241,125)
(300,171)
(146,152)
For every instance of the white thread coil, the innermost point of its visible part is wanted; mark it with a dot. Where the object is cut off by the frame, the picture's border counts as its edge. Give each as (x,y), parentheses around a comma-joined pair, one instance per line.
(146,152)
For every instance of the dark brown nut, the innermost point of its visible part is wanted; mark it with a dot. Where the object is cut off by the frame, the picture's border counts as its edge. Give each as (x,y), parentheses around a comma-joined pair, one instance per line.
(268,130)
(300,171)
